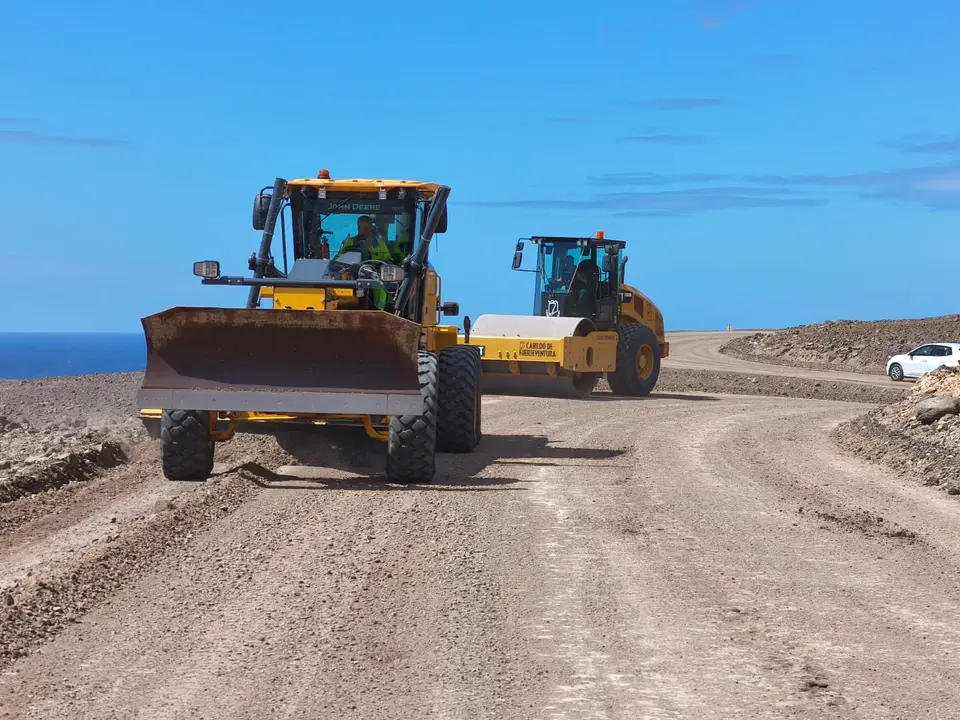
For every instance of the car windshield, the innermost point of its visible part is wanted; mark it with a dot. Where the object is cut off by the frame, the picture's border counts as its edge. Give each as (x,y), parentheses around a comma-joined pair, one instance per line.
(335,220)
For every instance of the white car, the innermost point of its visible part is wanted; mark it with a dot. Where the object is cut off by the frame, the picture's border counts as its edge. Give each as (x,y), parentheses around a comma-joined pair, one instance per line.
(923,359)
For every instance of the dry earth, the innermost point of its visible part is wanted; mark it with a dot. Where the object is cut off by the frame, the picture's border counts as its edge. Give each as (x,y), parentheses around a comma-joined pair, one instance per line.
(708,552)
(852,345)
(909,438)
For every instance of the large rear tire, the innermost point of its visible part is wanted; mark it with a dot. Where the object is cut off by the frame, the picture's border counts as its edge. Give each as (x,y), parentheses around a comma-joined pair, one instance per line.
(459,414)
(638,361)
(186,450)
(412,442)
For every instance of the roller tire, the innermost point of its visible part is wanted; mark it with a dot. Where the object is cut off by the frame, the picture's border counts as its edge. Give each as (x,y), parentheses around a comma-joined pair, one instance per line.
(626,380)
(186,450)
(583,384)
(459,410)
(412,442)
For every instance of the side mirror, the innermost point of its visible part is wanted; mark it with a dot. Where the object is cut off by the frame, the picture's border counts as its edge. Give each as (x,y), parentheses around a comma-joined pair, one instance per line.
(519,245)
(261,205)
(209,269)
(607,263)
(517,259)
(441,223)
(450,308)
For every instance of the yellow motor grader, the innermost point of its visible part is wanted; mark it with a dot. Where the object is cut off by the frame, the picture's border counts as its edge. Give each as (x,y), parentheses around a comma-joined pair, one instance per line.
(349,334)
(586,324)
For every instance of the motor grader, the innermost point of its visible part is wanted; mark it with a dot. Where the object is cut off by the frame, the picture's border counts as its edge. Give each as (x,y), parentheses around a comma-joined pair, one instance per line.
(586,324)
(349,334)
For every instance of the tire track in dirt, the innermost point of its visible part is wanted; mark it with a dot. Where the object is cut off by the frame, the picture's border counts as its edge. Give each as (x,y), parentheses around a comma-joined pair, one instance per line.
(611,558)
(241,593)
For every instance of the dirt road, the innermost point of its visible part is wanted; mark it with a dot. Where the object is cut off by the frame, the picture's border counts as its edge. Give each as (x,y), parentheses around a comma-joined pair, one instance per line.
(682,556)
(701,350)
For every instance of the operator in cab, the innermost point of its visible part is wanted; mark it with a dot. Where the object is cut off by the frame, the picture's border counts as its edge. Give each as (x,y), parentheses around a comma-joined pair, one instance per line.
(366,242)
(566,275)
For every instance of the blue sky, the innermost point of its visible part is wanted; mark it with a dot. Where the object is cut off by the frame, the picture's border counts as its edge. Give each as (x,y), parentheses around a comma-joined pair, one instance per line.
(769,163)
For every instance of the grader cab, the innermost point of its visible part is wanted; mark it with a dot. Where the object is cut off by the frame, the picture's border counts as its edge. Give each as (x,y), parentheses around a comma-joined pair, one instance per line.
(586,324)
(349,334)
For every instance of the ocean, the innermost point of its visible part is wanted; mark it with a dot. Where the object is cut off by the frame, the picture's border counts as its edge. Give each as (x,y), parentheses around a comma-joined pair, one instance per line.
(34,355)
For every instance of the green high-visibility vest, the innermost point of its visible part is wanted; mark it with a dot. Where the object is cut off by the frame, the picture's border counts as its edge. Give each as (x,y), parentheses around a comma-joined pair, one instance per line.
(379,251)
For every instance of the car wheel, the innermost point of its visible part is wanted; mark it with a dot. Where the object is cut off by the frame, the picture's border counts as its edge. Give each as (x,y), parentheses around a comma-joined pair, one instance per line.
(896,372)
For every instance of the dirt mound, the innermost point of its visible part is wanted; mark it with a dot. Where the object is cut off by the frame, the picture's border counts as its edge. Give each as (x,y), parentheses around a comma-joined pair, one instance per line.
(733,383)
(851,345)
(920,435)
(54,431)
(33,460)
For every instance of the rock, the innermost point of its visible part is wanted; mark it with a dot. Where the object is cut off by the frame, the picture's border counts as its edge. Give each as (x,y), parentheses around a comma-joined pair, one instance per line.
(931,409)
(6,424)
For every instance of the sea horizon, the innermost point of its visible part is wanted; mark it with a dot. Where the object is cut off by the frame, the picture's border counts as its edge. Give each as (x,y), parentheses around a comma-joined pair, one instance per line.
(39,354)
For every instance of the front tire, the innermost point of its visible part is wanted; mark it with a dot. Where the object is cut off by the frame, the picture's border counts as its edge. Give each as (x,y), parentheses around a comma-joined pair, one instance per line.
(638,361)
(186,450)
(412,442)
(896,372)
(459,409)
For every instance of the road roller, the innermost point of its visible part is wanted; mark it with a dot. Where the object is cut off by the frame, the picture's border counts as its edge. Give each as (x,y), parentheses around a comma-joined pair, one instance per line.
(587,324)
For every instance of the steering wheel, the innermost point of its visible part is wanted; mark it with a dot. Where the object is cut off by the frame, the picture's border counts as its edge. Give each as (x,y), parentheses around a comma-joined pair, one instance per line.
(338,267)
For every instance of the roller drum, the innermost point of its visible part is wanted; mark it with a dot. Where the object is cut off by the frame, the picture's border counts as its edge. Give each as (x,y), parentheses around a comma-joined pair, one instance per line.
(532,382)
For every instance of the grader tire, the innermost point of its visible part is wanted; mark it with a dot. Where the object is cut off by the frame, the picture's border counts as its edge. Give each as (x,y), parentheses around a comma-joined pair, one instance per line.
(635,341)
(186,450)
(412,442)
(458,421)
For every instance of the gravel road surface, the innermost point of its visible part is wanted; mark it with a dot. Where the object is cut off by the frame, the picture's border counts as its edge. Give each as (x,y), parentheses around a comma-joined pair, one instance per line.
(701,351)
(688,555)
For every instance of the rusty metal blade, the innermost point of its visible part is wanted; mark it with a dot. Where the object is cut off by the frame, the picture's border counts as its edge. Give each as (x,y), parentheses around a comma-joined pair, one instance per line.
(282,361)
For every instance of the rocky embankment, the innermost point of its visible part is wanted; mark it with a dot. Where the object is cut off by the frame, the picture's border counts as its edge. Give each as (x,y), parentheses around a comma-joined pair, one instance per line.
(918,436)
(57,430)
(850,345)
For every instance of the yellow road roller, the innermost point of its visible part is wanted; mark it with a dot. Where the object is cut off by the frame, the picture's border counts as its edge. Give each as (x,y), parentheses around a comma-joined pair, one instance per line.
(587,324)
(349,334)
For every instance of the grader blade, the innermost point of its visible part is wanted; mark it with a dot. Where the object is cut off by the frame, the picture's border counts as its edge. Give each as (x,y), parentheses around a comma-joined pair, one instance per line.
(281,361)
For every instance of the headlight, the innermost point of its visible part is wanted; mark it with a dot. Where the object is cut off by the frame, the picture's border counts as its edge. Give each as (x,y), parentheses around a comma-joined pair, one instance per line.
(209,269)
(391,273)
